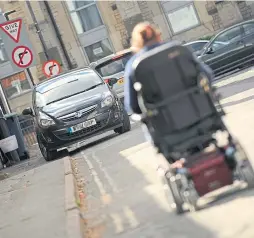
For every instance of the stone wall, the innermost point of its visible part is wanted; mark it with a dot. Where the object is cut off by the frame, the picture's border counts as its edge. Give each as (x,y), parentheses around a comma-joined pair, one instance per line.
(114,23)
(246,9)
(120,18)
(68,33)
(216,17)
(65,26)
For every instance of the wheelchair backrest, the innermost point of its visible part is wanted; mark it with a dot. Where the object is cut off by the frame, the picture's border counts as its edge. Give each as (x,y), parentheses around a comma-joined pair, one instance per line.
(167,72)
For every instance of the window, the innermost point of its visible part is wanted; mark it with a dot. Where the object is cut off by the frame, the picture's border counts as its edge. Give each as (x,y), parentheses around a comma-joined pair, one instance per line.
(196,46)
(248,29)
(98,50)
(66,87)
(85,15)
(73,5)
(183,19)
(224,39)
(112,67)
(15,85)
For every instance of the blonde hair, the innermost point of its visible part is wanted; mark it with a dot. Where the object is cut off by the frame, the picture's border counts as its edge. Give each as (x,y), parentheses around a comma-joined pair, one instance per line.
(144,34)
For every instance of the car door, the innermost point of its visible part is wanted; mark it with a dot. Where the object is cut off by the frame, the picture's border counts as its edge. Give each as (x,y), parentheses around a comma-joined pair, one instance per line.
(198,47)
(248,39)
(223,52)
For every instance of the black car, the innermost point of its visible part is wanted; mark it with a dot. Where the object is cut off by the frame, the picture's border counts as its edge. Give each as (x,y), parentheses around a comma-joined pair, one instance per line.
(197,46)
(230,49)
(73,107)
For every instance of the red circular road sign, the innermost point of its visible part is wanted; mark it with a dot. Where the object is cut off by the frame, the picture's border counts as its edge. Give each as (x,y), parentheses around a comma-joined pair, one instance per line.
(22,56)
(51,68)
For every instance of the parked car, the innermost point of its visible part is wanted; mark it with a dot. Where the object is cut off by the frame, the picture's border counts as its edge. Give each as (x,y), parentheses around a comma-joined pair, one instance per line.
(73,107)
(197,46)
(230,49)
(113,66)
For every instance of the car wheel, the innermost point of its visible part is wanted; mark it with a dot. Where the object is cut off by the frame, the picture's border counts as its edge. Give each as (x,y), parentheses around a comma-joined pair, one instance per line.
(126,124)
(47,154)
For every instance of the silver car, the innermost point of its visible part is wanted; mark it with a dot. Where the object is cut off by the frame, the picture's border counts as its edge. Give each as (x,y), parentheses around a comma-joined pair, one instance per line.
(113,66)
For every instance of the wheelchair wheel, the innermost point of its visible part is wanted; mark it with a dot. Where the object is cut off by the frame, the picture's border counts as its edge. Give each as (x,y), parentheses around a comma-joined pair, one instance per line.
(244,166)
(174,185)
(192,198)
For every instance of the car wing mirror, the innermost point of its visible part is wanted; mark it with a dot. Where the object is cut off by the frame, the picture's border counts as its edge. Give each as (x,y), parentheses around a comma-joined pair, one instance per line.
(28,112)
(112,81)
(210,50)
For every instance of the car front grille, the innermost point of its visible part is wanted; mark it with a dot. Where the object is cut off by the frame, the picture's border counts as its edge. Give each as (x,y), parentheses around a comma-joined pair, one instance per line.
(74,116)
(83,132)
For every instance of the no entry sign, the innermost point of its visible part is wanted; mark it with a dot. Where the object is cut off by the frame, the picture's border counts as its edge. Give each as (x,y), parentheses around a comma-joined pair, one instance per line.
(51,68)
(22,56)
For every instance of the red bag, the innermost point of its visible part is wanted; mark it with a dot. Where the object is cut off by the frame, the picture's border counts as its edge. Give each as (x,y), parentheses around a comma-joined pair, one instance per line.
(210,172)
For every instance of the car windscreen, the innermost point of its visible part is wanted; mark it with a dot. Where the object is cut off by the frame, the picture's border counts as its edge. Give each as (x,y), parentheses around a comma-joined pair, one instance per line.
(65,87)
(113,66)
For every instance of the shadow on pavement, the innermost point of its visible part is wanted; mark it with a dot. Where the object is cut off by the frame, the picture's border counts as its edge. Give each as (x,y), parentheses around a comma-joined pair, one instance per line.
(225,197)
(38,161)
(137,206)
(94,143)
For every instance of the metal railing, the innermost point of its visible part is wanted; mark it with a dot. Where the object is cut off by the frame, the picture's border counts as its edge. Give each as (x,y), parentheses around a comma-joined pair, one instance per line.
(28,130)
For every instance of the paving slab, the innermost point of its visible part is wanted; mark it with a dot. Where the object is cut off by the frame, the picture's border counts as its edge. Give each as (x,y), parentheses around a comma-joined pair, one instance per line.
(32,203)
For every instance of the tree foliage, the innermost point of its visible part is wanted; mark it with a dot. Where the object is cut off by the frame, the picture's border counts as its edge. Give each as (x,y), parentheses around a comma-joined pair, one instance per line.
(206,38)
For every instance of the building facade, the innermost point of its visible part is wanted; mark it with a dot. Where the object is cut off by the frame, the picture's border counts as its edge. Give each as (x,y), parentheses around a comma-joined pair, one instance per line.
(76,33)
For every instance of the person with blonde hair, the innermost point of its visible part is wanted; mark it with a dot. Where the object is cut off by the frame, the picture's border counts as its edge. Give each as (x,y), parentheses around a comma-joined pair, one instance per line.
(144,38)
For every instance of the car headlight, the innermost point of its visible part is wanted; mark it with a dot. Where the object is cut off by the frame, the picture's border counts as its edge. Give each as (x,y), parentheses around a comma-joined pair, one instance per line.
(107,101)
(45,120)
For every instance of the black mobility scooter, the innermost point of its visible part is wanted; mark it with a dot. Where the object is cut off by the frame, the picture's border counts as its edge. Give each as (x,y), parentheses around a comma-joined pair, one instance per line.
(183,114)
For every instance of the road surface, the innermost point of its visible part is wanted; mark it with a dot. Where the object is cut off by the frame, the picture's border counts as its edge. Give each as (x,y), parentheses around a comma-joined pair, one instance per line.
(124,189)
(125,192)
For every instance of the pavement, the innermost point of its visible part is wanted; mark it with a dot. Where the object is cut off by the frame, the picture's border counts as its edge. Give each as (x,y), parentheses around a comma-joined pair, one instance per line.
(32,203)
(123,189)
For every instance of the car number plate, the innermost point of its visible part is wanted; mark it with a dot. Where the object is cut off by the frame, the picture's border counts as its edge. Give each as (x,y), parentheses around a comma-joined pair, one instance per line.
(83,125)
(120,81)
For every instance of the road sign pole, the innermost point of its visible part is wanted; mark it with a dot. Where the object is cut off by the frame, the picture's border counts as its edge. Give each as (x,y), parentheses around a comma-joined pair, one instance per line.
(13,155)
(3,101)
(38,30)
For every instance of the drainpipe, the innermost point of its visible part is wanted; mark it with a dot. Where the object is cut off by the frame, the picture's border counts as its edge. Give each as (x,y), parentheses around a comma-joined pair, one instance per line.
(38,30)
(58,35)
